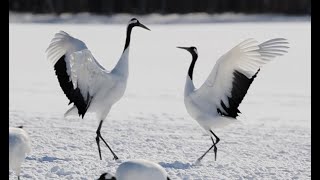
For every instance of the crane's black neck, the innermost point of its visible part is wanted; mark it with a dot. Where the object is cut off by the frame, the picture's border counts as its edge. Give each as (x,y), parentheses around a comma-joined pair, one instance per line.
(129,29)
(194,59)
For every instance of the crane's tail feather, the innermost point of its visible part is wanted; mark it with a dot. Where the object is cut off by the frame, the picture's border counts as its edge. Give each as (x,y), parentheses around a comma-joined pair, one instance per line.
(73,111)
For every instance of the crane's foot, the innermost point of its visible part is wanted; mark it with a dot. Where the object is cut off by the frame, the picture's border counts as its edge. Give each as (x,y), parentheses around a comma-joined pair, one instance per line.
(115,157)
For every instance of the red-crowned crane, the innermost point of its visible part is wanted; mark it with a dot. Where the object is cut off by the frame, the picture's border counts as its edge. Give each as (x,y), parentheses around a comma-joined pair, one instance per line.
(215,104)
(137,169)
(19,147)
(88,85)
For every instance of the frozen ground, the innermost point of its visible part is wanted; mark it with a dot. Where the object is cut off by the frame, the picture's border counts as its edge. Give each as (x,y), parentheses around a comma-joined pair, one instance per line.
(150,121)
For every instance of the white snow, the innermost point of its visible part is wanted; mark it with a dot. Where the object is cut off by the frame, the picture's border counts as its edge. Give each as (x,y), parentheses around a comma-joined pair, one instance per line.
(19,147)
(271,140)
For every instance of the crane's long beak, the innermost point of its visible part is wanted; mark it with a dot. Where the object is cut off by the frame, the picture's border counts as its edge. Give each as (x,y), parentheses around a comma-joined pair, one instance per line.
(143,26)
(183,48)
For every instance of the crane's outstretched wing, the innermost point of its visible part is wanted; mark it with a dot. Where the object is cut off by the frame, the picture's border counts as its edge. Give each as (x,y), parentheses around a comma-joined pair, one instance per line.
(79,74)
(234,72)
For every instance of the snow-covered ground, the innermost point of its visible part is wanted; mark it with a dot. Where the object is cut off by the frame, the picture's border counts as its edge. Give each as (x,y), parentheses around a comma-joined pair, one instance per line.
(150,121)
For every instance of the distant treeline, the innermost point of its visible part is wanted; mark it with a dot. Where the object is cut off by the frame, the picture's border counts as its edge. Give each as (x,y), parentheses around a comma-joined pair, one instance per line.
(161,6)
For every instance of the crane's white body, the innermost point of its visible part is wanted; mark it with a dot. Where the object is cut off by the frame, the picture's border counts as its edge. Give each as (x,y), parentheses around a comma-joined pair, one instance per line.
(137,169)
(140,170)
(246,58)
(105,87)
(19,147)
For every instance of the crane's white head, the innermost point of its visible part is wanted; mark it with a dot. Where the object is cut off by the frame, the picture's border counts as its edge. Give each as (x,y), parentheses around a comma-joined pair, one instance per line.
(193,50)
(135,22)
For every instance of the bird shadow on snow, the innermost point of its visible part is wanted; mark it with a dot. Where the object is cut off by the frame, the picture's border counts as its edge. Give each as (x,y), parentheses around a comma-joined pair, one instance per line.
(48,159)
(177,165)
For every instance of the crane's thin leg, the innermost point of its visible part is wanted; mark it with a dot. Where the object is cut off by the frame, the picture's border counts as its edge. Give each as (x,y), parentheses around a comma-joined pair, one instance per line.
(217,139)
(215,148)
(213,145)
(115,157)
(19,177)
(98,143)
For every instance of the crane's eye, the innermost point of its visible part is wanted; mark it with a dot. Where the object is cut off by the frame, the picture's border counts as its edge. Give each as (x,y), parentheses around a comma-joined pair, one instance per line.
(195,50)
(133,21)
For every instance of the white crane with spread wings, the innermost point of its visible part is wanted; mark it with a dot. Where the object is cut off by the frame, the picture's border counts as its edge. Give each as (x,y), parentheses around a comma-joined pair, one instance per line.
(88,85)
(215,104)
